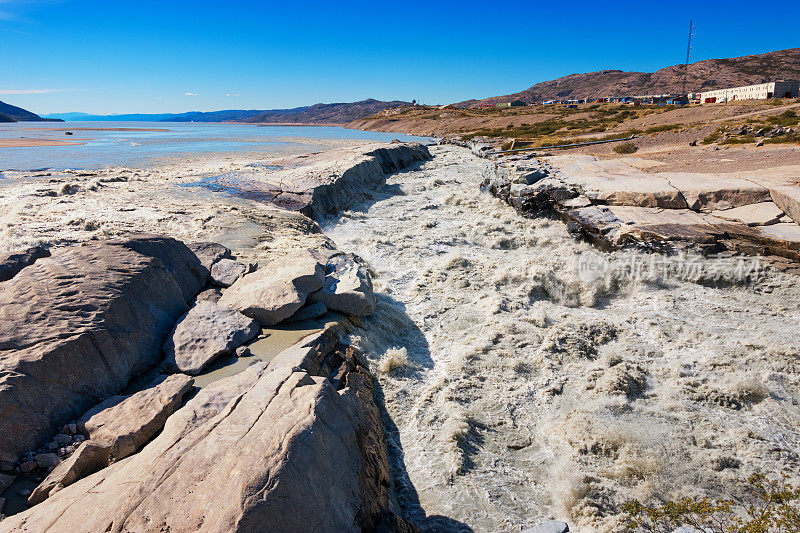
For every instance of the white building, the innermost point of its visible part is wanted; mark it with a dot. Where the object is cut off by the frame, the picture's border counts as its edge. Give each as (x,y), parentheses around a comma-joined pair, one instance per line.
(762,91)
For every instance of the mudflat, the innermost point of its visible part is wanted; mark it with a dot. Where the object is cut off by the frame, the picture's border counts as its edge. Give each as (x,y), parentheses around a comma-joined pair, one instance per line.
(29,143)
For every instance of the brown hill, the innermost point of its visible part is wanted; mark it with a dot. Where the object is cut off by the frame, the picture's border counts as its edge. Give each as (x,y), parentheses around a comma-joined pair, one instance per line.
(701,76)
(340,113)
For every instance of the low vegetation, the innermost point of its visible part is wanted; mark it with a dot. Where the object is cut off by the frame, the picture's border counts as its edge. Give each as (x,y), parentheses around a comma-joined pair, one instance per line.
(766,506)
(626,148)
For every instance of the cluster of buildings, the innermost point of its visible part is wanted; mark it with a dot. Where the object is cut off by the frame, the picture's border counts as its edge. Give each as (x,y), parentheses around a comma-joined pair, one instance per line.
(761,91)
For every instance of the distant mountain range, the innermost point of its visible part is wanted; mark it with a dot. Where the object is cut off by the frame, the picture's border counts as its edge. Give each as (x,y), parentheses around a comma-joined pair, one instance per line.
(11,113)
(339,113)
(701,76)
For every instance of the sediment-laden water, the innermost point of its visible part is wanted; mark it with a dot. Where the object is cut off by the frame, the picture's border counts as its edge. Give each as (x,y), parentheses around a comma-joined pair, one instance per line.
(517,388)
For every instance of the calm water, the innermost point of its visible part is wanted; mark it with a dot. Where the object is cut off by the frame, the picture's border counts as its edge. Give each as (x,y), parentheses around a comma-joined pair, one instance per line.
(111,148)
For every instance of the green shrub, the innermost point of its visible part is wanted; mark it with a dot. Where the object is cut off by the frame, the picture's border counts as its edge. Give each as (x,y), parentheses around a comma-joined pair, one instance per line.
(665,127)
(626,148)
(765,506)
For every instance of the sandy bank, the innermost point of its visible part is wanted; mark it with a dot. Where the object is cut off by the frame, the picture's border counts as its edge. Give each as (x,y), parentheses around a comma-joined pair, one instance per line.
(28,143)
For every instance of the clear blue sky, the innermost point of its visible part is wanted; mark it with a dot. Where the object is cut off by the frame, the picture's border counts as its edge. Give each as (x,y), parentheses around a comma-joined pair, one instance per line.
(117,56)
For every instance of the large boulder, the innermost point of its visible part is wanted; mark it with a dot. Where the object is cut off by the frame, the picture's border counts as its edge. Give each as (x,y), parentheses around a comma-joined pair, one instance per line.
(117,428)
(277,447)
(204,333)
(226,271)
(75,327)
(275,291)
(348,287)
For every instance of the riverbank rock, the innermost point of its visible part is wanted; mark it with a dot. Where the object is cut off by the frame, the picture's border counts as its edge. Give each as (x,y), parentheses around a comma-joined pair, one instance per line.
(117,428)
(709,192)
(348,287)
(788,199)
(204,333)
(760,214)
(226,271)
(5,482)
(209,253)
(342,178)
(11,263)
(75,327)
(276,291)
(551,526)
(274,448)
(309,312)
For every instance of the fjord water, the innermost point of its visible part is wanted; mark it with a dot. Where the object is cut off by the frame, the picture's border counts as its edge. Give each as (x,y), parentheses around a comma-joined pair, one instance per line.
(143,143)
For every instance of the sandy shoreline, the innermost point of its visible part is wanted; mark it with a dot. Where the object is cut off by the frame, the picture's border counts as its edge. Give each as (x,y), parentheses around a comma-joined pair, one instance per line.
(31,143)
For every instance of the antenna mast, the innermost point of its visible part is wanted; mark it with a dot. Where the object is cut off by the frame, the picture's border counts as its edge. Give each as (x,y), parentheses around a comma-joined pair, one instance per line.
(688,55)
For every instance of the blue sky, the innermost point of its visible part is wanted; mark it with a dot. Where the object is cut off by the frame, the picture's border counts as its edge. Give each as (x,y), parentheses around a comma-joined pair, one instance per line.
(170,56)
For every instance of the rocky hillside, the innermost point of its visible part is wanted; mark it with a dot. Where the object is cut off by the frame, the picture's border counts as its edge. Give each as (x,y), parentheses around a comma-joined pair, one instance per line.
(18,114)
(339,113)
(703,75)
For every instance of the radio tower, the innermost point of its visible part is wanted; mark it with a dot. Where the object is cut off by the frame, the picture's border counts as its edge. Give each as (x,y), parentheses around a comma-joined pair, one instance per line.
(688,55)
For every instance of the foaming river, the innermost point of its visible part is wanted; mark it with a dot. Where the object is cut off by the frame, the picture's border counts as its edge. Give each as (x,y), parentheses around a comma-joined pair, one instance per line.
(516,391)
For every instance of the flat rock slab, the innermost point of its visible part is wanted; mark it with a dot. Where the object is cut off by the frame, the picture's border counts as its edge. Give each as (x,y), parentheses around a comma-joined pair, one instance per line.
(330,182)
(75,327)
(761,214)
(710,192)
(274,448)
(615,183)
(117,428)
(207,331)
(277,290)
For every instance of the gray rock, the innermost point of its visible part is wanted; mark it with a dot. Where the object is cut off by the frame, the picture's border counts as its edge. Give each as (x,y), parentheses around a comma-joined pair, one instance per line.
(226,271)
(309,312)
(117,428)
(551,526)
(233,456)
(24,493)
(209,295)
(242,351)
(5,482)
(47,460)
(66,335)
(208,252)
(62,439)
(348,287)
(276,291)
(207,331)
(27,466)
(12,263)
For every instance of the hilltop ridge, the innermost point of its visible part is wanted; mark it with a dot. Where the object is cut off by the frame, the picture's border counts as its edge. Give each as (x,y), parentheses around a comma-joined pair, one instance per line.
(703,75)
